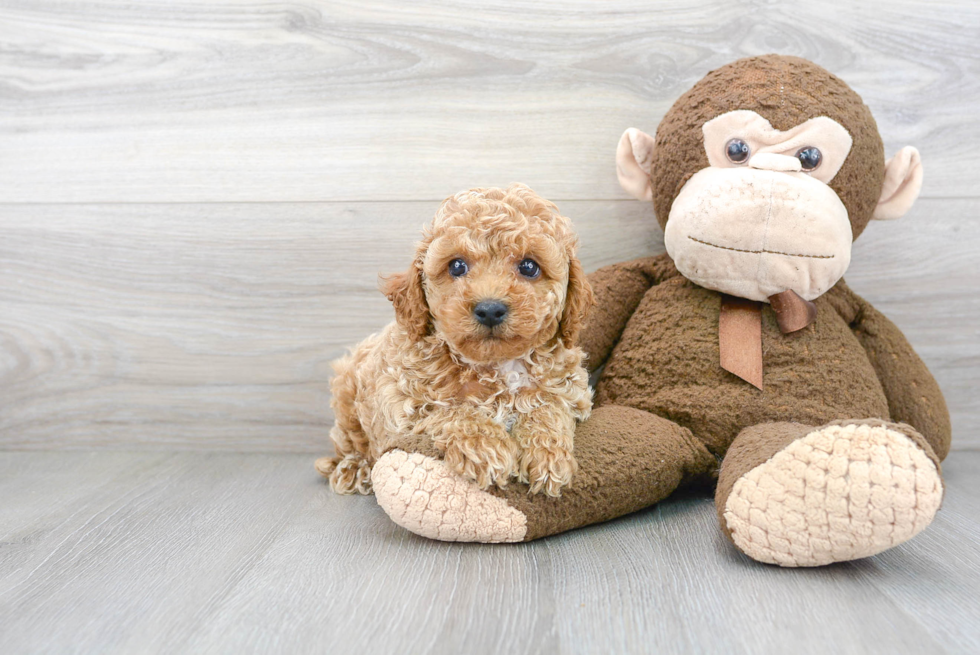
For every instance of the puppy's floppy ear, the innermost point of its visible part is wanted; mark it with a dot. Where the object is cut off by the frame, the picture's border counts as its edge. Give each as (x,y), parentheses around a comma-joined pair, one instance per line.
(578,301)
(406,293)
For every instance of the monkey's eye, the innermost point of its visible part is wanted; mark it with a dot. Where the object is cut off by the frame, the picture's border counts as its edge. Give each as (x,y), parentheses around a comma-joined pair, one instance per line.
(809,157)
(737,151)
(529,268)
(458,268)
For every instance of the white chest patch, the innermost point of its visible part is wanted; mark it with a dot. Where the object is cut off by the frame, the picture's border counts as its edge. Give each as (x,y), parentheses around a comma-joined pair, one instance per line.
(515,375)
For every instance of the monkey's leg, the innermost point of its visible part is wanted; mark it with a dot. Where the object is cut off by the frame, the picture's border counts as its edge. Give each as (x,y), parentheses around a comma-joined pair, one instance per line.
(795,495)
(628,459)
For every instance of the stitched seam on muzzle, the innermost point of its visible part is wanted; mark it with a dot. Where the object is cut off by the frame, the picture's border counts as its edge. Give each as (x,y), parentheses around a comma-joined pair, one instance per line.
(758,252)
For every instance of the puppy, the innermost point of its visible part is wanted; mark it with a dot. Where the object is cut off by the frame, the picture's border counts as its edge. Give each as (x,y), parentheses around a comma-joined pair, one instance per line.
(481,358)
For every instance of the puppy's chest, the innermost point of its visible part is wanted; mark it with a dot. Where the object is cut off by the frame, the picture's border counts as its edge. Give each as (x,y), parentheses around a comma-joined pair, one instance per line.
(499,391)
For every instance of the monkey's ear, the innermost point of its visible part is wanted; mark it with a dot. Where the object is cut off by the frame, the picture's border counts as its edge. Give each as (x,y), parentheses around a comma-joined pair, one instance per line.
(634,154)
(903,180)
(406,293)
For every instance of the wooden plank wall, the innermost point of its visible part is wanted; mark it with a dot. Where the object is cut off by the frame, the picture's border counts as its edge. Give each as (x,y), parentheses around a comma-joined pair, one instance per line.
(196,197)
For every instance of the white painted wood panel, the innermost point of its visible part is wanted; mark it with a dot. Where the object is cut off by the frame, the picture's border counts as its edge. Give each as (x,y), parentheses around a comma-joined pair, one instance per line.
(212,326)
(245,100)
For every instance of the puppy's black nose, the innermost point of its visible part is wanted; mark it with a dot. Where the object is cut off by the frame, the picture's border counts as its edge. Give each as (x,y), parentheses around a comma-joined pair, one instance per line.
(490,312)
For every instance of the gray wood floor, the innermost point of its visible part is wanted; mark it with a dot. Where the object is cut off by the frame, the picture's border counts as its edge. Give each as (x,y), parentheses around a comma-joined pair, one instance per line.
(220,552)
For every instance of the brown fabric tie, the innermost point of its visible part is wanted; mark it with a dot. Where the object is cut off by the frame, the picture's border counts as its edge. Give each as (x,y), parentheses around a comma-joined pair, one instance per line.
(740,330)
(792,312)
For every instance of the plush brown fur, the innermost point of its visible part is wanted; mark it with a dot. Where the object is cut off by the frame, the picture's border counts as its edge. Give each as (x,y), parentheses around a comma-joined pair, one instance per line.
(499,402)
(666,362)
(852,362)
(657,332)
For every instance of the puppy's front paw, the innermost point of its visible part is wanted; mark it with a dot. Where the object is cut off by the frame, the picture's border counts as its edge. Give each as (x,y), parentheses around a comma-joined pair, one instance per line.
(547,469)
(485,459)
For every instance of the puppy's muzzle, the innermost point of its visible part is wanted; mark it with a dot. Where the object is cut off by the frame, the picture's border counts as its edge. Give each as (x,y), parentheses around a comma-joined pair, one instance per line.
(490,312)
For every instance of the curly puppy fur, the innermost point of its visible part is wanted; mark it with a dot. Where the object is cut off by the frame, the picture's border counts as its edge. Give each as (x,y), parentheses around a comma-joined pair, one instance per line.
(501,402)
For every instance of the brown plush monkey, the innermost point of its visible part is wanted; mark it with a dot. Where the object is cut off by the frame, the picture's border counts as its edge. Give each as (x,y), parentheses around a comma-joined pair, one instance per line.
(741,344)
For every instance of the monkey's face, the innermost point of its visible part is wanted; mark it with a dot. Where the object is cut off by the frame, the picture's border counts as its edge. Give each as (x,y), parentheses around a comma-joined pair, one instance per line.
(763,174)
(761,218)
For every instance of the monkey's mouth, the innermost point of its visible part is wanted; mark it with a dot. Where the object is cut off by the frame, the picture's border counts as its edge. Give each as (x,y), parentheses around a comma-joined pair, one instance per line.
(759,252)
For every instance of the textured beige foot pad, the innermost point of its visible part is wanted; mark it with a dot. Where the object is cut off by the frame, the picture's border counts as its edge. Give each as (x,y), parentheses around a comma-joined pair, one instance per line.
(420,494)
(840,493)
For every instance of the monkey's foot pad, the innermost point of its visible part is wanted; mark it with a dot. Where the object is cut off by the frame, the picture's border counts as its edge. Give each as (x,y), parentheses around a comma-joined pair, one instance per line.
(842,492)
(423,496)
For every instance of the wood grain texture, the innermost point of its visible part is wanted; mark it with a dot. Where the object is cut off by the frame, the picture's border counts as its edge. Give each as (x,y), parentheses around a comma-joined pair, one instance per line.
(245,100)
(208,325)
(212,326)
(127,552)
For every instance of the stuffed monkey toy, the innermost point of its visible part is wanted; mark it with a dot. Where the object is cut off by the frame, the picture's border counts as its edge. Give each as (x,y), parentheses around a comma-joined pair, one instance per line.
(739,358)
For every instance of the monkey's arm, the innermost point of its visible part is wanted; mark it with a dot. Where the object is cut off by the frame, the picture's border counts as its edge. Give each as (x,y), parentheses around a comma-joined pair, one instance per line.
(912,393)
(618,289)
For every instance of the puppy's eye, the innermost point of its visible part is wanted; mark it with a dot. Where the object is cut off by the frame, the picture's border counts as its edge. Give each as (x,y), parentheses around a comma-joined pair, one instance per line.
(458,268)
(529,268)
(809,157)
(737,151)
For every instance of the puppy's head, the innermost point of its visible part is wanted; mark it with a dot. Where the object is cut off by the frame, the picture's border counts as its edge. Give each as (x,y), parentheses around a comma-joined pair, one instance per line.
(495,276)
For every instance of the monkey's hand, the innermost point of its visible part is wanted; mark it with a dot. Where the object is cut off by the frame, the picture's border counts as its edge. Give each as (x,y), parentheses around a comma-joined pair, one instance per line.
(913,395)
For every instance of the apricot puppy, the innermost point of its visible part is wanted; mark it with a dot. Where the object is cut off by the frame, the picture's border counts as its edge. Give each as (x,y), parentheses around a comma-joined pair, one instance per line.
(481,358)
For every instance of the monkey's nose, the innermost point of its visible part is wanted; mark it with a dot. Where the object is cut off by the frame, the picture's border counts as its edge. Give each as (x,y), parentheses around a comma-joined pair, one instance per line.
(490,312)
(770,161)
